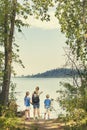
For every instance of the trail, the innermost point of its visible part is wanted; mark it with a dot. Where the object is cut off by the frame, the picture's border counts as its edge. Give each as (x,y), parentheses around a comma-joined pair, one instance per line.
(41,124)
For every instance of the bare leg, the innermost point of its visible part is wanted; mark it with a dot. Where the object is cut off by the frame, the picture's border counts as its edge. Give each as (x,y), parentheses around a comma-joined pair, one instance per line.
(28,113)
(25,113)
(38,112)
(48,115)
(44,115)
(34,113)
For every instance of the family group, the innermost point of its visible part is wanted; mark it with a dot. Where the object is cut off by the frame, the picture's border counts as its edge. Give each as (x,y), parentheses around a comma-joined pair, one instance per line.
(35,101)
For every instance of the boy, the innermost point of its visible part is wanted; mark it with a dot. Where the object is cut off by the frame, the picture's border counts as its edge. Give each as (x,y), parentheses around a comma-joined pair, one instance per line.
(47,104)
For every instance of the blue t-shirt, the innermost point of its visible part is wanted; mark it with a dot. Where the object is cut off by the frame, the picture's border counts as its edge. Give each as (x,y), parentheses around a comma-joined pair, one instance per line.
(47,103)
(27,101)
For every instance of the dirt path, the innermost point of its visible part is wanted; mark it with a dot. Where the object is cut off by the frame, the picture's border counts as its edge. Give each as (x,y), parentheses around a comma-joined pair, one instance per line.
(42,124)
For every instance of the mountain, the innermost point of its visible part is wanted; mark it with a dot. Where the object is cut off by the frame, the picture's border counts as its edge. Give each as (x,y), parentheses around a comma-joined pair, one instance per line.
(62,72)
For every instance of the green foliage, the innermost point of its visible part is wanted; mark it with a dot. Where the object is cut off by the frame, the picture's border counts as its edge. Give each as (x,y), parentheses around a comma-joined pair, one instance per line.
(72,16)
(8,122)
(74,101)
(13,14)
(1,67)
(37,8)
(11,109)
(40,8)
(12,92)
(8,117)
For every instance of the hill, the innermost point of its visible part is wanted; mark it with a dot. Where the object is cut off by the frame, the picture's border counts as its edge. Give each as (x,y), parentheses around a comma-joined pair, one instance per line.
(62,72)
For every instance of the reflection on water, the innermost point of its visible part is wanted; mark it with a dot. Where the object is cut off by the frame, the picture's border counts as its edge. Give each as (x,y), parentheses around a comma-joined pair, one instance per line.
(47,85)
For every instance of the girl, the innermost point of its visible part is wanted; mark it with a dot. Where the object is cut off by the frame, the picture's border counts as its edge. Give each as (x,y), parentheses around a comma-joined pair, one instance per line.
(27,105)
(36,102)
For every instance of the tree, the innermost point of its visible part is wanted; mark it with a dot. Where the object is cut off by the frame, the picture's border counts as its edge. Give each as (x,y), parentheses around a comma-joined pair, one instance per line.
(72,16)
(12,15)
(8,32)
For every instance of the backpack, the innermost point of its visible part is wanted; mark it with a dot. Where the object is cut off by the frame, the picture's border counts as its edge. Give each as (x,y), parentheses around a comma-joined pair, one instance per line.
(35,99)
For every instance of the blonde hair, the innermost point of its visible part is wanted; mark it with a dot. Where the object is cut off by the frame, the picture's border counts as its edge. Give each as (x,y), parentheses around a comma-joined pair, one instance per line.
(27,93)
(47,96)
(37,88)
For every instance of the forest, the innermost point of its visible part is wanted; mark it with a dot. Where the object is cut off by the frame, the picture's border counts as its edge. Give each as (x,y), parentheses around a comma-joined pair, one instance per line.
(54,73)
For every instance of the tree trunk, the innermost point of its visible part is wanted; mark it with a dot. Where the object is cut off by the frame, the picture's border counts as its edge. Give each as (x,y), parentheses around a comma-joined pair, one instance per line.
(9,33)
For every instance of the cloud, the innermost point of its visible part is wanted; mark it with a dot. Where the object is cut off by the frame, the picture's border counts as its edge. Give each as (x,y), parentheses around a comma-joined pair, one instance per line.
(37,23)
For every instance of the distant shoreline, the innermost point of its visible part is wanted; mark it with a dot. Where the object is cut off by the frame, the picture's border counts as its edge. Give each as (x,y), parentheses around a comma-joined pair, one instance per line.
(41,77)
(54,73)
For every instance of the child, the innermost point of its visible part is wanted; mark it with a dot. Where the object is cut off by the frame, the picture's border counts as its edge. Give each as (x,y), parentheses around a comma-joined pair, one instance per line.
(37,91)
(36,103)
(47,104)
(27,105)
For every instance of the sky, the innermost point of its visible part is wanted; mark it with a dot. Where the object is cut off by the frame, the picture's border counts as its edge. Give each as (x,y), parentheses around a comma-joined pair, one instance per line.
(41,47)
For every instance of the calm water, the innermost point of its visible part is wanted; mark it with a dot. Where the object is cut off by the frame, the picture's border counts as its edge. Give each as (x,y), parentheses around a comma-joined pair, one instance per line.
(47,85)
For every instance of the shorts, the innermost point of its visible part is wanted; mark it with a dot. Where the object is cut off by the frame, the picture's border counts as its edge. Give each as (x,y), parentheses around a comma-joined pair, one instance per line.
(36,105)
(27,108)
(47,110)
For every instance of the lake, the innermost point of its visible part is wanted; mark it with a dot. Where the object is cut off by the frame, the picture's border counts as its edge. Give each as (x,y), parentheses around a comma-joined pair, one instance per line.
(47,85)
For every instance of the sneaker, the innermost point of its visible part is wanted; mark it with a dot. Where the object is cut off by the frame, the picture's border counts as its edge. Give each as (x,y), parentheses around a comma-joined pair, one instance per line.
(27,119)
